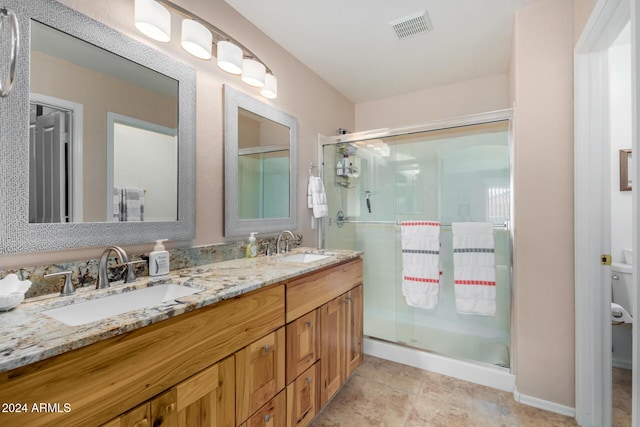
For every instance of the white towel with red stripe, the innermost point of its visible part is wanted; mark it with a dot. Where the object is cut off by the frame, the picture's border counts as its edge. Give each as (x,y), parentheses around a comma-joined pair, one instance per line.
(474,268)
(421,263)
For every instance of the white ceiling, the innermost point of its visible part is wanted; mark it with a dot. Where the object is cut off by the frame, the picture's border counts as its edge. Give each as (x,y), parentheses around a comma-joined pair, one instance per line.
(351,45)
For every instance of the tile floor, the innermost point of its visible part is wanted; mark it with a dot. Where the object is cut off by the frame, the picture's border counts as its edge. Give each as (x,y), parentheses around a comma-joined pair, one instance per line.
(383,393)
(621,398)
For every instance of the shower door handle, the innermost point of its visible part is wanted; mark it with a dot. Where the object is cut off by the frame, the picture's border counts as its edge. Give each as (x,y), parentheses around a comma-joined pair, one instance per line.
(8,14)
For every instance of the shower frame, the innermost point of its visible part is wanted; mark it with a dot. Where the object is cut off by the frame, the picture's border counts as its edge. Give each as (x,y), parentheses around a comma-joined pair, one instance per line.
(445,364)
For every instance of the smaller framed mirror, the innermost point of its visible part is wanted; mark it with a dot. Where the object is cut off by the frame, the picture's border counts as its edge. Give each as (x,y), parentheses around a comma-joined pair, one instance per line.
(260,163)
(625,170)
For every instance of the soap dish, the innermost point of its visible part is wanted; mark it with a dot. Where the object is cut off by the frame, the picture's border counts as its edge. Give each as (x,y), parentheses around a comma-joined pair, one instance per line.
(12,291)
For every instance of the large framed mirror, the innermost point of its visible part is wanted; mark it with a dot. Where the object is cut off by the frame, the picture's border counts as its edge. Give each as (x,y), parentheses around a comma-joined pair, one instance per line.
(97,137)
(260,166)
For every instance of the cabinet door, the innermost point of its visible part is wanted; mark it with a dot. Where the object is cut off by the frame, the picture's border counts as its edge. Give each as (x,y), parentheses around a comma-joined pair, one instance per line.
(205,399)
(302,398)
(260,373)
(332,344)
(272,414)
(354,332)
(137,417)
(302,345)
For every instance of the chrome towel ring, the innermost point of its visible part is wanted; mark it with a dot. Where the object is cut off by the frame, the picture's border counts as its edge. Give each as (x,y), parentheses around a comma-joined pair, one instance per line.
(7,15)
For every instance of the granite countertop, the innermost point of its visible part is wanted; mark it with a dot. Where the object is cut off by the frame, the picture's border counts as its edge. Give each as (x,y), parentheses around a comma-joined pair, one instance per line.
(27,335)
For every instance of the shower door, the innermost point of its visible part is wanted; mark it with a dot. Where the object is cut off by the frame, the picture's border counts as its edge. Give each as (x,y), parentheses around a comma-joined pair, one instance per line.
(450,175)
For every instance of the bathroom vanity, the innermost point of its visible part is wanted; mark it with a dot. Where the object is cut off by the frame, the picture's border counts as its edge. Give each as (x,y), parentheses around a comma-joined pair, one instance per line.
(267,341)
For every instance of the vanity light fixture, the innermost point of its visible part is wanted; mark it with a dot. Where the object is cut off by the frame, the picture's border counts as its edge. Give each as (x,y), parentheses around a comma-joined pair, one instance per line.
(196,39)
(270,89)
(152,18)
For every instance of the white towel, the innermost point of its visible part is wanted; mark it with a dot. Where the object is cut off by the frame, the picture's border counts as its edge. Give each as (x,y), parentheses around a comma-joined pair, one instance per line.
(116,214)
(133,204)
(316,197)
(421,263)
(474,268)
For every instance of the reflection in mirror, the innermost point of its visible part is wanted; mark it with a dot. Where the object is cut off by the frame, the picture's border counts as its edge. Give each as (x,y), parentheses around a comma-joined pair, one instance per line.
(263,167)
(75,86)
(260,156)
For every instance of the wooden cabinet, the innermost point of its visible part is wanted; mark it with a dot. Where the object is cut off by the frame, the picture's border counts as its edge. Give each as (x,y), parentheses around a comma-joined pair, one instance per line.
(324,337)
(203,400)
(354,330)
(303,401)
(272,414)
(341,341)
(302,344)
(260,373)
(137,417)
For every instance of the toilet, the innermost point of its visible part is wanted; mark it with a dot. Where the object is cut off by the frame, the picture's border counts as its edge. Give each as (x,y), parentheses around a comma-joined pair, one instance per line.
(622,305)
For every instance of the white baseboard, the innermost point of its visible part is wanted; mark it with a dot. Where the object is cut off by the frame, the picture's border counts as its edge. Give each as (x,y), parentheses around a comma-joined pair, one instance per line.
(544,404)
(491,376)
(622,363)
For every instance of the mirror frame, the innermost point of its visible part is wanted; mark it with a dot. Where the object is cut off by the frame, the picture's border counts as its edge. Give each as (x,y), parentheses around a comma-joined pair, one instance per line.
(234,226)
(17,235)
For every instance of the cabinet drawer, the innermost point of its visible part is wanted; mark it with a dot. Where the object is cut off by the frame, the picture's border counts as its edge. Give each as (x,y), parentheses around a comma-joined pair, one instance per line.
(311,291)
(272,414)
(260,373)
(302,344)
(303,397)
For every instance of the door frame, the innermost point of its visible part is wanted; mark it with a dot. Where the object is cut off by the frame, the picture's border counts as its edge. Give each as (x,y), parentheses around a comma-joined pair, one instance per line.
(592,216)
(76,143)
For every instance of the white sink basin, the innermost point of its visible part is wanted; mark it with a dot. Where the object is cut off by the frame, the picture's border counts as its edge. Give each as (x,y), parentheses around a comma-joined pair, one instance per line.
(305,258)
(101,308)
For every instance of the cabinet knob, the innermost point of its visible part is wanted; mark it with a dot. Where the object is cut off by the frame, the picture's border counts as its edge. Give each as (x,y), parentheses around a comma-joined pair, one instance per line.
(170,408)
(309,379)
(308,323)
(267,348)
(347,300)
(267,418)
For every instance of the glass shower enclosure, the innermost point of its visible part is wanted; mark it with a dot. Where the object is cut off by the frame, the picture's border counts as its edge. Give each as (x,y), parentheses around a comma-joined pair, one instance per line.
(452,174)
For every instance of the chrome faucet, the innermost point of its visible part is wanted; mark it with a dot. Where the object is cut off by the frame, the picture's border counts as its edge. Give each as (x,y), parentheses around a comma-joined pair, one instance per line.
(103,279)
(280,238)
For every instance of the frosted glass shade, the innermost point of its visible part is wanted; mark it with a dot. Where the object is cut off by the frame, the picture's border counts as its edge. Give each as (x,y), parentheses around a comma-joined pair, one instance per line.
(196,39)
(229,57)
(253,73)
(270,89)
(153,20)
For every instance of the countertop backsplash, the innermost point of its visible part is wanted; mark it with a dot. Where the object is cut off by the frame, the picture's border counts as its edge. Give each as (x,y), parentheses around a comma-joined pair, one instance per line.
(85,272)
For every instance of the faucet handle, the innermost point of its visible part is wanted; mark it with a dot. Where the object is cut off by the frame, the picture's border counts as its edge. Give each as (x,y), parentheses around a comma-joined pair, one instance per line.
(68,288)
(131,274)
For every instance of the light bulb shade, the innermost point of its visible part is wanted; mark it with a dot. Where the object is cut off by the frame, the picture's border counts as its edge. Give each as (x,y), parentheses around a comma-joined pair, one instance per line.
(270,89)
(153,20)
(196,39)
(229,57)
(253,73)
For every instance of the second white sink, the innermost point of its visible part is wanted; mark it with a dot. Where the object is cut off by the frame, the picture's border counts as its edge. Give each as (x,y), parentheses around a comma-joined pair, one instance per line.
(113,305)
(305,258)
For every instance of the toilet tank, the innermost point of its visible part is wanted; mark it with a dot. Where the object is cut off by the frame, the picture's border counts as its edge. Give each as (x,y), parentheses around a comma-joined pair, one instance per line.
(622,286)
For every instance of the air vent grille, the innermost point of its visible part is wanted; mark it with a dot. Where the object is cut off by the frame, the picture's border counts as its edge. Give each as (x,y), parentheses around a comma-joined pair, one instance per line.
(413,25)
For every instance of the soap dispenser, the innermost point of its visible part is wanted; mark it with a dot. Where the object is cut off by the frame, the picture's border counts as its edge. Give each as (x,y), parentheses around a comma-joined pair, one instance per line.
(252,247)
(159,259)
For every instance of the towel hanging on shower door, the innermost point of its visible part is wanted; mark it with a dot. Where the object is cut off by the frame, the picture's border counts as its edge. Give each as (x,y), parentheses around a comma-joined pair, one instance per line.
(474,268)
(421,263)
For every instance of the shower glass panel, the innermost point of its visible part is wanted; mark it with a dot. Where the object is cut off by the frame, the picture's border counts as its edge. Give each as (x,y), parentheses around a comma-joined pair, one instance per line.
(453,175)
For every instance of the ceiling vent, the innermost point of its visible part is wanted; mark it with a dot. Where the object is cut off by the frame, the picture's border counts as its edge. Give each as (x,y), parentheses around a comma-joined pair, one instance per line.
(412,25)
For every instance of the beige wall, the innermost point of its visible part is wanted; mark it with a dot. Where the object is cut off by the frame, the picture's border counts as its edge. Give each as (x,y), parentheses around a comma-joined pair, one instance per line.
(543,253)
(318,107)
(444,102)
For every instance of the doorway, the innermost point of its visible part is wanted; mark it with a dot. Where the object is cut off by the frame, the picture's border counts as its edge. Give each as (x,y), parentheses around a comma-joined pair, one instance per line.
(593,202)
